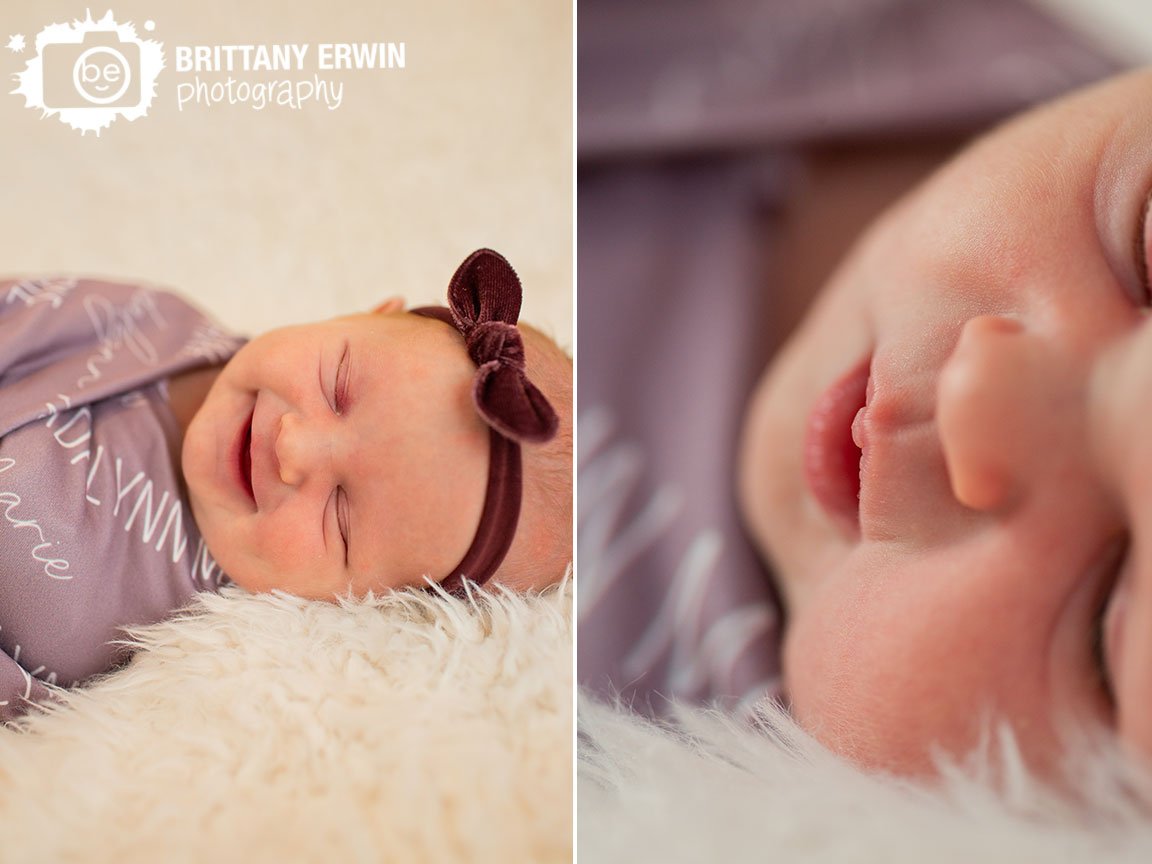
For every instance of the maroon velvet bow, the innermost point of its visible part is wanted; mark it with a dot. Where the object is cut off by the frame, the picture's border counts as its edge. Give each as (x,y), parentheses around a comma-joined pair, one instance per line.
(484,299)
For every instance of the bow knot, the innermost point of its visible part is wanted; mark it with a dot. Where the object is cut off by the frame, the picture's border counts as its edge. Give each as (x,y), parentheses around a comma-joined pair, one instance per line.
(496,342)
(484,298)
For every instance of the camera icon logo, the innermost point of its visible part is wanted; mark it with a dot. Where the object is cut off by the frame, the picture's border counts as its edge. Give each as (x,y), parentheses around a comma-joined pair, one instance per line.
(103,71)
(91,72)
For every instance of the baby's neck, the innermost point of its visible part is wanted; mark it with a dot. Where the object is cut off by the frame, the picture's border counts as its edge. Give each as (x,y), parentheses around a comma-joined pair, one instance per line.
(186,393)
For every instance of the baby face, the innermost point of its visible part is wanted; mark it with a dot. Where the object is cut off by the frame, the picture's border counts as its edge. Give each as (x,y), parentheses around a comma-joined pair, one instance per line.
(982,363)
(367,461)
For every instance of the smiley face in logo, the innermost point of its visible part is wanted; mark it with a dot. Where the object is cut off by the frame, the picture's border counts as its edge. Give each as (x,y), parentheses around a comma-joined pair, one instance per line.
(101,75)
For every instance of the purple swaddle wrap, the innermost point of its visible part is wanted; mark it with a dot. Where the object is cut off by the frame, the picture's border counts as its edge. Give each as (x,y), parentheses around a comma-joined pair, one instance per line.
(688,117)
(95,529)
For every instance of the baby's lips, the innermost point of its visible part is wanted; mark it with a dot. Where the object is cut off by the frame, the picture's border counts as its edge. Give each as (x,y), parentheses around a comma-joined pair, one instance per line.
(831,453)
(240,459)
(1114,617)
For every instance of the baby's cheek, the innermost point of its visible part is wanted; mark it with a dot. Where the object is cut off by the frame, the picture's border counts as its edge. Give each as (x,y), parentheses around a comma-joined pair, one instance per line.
(870,679)
(834,682)
(276,553)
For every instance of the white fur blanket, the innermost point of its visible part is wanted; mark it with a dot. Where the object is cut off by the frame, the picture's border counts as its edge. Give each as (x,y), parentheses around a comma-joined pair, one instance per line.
(711,789)
(410,727)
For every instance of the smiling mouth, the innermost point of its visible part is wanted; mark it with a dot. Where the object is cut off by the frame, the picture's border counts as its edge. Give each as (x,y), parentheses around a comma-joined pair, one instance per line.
(246,459)
(832,457)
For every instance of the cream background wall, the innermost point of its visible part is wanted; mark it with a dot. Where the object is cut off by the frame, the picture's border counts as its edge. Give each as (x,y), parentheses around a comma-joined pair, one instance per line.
(280,216)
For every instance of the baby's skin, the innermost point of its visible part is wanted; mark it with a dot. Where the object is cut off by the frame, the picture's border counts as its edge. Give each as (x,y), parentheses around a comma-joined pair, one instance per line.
(368,461)
(998,561)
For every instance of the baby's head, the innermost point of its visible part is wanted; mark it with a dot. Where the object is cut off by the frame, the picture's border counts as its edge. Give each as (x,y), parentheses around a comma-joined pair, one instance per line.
(986,347)
(352,454)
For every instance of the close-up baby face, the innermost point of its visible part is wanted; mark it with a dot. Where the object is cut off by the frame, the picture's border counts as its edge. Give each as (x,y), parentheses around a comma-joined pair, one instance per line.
(341,455)
(949,465)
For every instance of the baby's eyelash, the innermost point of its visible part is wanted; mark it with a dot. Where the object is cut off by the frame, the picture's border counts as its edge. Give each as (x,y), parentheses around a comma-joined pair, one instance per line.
(342,518)
(340,386)
(338,502)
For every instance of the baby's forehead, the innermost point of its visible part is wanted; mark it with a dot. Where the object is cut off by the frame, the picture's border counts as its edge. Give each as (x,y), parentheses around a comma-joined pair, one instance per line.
(392,325)
(427,335)
(392,334)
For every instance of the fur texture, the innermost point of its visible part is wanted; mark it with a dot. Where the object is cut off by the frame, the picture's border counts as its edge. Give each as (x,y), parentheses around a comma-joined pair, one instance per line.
(709,788)
(410,727)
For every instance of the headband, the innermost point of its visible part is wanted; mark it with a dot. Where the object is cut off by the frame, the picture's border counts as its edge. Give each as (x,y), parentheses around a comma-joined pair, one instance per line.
(484,305)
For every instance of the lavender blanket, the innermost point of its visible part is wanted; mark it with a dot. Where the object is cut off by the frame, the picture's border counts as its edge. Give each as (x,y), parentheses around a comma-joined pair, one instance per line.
(95,531)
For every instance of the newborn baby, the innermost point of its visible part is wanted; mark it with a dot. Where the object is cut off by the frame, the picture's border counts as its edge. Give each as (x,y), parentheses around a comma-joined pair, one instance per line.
(947,464)
(144,454)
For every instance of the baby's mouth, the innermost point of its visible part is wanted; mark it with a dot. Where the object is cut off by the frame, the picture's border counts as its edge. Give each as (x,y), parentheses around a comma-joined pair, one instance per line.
(834,447)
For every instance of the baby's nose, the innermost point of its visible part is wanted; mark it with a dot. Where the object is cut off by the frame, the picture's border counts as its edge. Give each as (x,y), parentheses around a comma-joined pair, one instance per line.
(997,411)
(300,450)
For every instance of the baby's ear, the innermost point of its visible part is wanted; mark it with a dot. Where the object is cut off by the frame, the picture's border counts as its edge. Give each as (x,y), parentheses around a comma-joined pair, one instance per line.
(392,304)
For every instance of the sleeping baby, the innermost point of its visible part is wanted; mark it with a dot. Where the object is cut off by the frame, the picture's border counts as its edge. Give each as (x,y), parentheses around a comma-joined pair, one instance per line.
(146,455)
(948,464)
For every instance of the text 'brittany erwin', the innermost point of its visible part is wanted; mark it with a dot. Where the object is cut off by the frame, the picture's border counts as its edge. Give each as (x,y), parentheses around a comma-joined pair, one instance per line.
(330,56)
